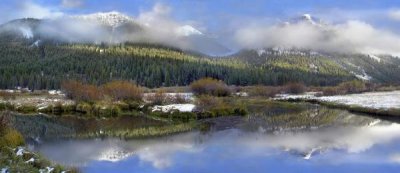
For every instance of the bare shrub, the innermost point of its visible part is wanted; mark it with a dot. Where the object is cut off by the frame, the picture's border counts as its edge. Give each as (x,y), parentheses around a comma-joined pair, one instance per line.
(354,86)
(349,87)
(123,90)
(158,98)
(263,91)
(81,92)
(3,124)
(210,86)
(207,102)
(8,136)
(7,96)
(295,88)
(179,98)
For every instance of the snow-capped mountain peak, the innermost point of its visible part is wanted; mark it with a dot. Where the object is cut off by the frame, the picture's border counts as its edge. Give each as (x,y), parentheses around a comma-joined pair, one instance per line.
(307,17)
(187,30)
(112,18)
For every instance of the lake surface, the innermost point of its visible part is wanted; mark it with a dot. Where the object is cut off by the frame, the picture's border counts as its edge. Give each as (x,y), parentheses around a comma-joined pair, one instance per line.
(315,139)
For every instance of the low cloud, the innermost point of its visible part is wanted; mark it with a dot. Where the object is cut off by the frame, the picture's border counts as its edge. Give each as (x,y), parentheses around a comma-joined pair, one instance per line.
(351,36)
(29,9)
(394,15)
(152,26)
(72,3)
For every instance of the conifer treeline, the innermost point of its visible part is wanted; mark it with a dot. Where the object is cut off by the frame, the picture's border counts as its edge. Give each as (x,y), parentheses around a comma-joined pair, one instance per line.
(45,67)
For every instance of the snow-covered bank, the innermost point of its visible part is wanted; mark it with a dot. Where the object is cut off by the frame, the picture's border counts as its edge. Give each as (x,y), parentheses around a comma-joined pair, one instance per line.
(307,95)
(40,102)
(376,100)
(179,107)
(185,96)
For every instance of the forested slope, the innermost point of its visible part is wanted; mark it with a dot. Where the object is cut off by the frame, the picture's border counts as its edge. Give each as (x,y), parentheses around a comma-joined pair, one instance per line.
(46,65)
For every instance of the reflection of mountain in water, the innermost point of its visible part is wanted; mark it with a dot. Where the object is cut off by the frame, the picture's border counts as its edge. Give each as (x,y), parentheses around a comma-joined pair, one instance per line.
(311,133)
(300,117)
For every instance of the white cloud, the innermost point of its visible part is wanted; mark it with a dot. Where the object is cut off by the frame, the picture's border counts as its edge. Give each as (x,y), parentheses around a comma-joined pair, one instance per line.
(157,27)
(395,158)
(29,9)
(394,15)
(350,36)
(72,3)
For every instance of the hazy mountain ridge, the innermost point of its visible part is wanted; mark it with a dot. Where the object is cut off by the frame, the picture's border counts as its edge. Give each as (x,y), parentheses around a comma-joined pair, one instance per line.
(270,66)
(109,28)
(381,68)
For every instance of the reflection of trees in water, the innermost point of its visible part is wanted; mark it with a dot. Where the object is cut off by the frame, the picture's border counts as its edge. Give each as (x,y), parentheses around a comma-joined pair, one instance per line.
(44,126)
(312,117)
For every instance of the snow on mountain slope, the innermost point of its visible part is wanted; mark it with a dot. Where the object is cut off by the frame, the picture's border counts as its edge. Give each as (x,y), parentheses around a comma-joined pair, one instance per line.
(113,19)
(374,57)
(187,30)
(26,32)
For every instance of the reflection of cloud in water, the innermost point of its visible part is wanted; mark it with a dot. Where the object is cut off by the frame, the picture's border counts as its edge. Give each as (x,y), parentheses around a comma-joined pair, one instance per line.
(395,158)
(161,152)
(79,152)
(352,139)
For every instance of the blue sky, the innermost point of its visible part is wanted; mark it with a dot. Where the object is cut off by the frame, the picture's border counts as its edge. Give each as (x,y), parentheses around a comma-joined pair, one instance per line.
(214,14)
(234,22)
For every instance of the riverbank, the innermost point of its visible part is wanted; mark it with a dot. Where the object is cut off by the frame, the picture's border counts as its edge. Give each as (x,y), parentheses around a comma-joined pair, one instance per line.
(372,103)
(15,157)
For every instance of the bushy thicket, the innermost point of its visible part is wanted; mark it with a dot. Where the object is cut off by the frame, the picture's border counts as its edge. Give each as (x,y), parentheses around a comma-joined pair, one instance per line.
(123,90)
(116,90)
(8,136)
(294,88)
(209,106)
(350,87)
(210,86)
(263,91)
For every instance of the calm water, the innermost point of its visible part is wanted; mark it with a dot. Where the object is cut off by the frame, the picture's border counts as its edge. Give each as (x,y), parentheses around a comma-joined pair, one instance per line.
(312,140)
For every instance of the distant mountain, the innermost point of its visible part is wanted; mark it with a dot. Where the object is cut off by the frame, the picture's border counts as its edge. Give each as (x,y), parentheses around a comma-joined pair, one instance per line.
(364,66)
(17,31)
(307,18)
(41,53)
(113,19)
(109,28)
(378,68)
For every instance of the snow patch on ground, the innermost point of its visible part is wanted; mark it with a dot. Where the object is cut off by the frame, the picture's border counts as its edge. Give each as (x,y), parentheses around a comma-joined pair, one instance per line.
(47,170)
(242,94)
(40,102)
(185,96)
(20,152)
(374,57)
(179,107)
(363,76)
(55,92)
(377,100)
(307,95)
(30,160)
